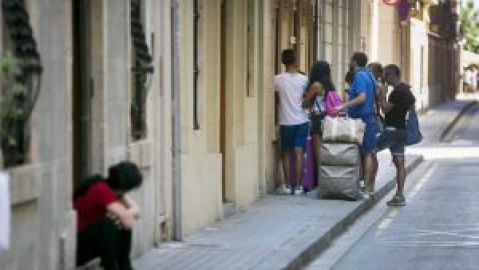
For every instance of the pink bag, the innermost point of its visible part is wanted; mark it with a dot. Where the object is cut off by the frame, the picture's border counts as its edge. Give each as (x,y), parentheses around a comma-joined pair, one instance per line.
(332,100)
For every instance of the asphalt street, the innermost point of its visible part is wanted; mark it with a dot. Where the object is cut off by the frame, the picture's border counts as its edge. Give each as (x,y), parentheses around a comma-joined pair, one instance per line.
(439,227)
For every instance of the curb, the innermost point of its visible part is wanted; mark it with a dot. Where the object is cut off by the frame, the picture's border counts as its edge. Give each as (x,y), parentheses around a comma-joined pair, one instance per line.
(320,245)
(451,125)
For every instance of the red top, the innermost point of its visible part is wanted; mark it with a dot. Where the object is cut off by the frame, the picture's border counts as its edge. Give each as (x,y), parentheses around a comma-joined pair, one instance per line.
(91,206)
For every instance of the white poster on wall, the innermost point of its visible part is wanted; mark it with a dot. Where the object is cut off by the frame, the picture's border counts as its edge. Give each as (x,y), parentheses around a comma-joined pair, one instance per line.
(5,211)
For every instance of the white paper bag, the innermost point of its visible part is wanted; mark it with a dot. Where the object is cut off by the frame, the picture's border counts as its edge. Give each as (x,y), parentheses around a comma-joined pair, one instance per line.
(5,211)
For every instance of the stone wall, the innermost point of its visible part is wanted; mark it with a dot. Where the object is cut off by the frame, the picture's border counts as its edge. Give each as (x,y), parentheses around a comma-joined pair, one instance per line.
(43,223)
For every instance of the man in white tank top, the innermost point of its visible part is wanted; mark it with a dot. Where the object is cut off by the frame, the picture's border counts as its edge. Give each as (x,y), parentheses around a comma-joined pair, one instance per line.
(293,120)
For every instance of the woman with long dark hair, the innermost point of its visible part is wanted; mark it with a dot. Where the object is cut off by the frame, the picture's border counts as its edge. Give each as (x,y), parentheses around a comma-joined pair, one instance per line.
(106,215)
(321,97)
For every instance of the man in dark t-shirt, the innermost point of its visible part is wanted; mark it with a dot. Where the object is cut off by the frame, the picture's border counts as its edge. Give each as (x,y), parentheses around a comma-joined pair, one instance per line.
(393,136)
(402,98)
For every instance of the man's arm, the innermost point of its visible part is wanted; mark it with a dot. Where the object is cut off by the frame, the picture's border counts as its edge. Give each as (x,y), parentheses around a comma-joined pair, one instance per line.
(359,85)
(360,99)
(385,106)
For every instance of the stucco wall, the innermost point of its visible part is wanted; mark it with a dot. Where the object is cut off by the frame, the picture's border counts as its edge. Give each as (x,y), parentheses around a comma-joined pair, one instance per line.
(201,158)
(43,224)
(388,35)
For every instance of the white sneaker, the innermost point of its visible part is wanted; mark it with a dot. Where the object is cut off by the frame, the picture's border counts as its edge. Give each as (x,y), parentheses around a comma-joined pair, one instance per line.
(283,190)
(298,190)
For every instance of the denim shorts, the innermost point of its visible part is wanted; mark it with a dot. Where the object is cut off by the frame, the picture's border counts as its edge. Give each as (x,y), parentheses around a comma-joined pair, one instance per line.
(370,134)
(293,136)
(394,139)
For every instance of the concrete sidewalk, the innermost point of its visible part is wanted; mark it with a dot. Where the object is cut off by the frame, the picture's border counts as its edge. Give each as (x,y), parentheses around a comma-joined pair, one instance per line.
(286,232)
(436,122)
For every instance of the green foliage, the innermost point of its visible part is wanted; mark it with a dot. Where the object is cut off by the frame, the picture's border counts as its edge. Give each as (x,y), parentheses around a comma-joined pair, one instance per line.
(470,25)
(12,95)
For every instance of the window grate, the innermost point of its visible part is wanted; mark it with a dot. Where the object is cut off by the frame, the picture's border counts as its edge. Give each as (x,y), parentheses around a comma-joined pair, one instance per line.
(142,70)
(21,88)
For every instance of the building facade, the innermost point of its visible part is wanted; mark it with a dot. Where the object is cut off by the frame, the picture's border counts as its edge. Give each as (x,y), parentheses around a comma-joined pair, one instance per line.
(422,38)
(43,222)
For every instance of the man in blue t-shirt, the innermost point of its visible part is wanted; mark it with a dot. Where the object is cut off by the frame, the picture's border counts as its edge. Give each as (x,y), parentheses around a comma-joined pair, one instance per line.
(361,106)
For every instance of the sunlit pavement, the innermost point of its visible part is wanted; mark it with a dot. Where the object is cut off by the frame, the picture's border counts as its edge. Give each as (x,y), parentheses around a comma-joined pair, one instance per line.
(280,232)
(439,227)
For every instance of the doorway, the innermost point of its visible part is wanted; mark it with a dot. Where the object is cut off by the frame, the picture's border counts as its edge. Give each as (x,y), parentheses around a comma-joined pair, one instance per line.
(81,97)
(87,97)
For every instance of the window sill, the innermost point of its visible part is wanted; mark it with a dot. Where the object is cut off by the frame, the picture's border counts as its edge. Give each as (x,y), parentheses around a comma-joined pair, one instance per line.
(24,184)
(141,153)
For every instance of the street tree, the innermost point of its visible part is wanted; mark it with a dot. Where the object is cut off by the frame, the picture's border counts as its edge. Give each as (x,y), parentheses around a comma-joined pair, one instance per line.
(470,26)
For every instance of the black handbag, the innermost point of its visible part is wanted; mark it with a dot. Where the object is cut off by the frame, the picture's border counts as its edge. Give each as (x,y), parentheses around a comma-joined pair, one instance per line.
(316,119)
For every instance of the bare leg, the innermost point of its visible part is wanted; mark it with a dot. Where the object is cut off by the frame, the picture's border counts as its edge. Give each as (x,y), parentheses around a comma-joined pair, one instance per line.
(369,161)
(299,165)
(400,174)
(374,170)
(286,167)
(317,142)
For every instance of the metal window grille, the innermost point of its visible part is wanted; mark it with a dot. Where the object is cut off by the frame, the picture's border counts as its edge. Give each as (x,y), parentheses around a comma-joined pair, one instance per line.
(142,68)
(15,128)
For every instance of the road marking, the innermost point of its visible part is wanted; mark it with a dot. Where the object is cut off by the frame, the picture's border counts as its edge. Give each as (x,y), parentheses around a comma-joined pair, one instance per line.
(446,244)
(451,152)
(420,184)
(386,222)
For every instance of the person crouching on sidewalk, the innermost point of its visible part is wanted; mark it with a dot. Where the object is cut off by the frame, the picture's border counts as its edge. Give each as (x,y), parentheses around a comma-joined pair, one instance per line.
(106,215)
(395,108)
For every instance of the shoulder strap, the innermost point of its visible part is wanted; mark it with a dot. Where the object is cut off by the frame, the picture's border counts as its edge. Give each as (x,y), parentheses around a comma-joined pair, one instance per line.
(375,94)
(317,103)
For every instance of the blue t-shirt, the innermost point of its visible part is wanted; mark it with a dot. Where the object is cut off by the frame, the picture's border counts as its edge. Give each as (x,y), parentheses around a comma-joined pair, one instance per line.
(363,83)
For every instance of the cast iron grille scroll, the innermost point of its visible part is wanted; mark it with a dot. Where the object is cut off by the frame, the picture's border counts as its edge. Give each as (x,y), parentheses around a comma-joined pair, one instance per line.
(142,71)
(15,139)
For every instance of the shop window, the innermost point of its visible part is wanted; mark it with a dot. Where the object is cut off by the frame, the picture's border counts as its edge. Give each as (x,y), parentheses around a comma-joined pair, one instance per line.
(21,72)
(142,70)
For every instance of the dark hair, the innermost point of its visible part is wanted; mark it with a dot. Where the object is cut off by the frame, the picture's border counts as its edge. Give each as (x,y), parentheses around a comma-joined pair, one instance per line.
(393,69)
(349,77)
(123,176)
(360,58)
(321,72)
(288,57)
(377,70)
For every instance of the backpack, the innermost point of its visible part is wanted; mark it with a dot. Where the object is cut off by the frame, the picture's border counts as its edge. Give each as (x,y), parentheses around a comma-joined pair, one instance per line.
(332,101)
(413,133)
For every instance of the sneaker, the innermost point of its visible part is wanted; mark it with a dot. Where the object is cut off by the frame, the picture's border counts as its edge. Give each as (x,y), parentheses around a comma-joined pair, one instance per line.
(363,195)
(298,190)
(367,189)
(313,193)
(397,201)
(283,190)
